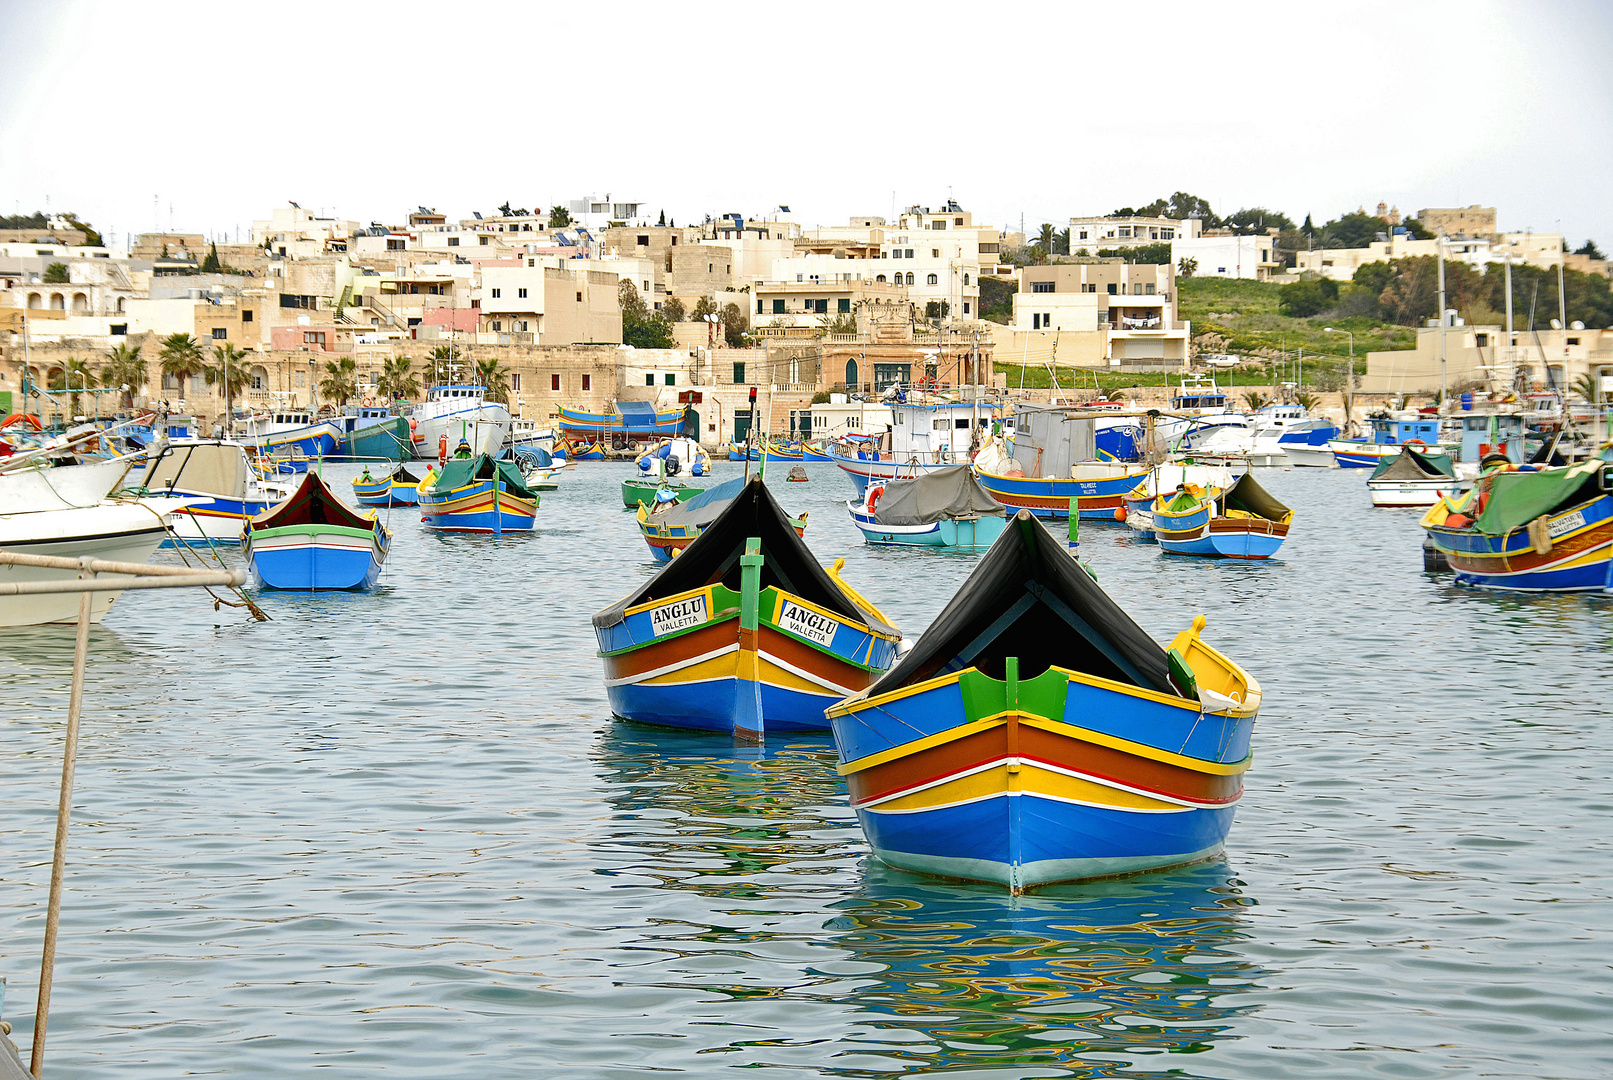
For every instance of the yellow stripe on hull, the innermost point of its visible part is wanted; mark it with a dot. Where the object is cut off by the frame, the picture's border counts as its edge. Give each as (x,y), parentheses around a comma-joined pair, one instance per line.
(726,666)
(1010,775)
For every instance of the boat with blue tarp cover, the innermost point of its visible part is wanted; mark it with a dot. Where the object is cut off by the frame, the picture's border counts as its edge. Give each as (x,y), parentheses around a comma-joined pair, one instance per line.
(1036,734)
(743,632)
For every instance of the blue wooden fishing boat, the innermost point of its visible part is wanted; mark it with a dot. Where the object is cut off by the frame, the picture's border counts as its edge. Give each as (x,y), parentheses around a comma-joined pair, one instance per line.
(292,433)
(1054,459)
(742,633)
(1243,521)
(738,451)
(313,541)
(1530,530)
(400,487)
(946,508)
(633,421)
(478,495)
(671,518)
(815,451)
(1036,734)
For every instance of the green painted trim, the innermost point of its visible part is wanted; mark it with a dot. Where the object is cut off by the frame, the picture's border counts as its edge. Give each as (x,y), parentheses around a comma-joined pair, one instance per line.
(313,530)
(984,696)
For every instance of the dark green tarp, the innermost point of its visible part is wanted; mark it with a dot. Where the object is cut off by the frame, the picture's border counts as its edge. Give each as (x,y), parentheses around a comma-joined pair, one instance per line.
(1517,498)
(1251,498)
(1411,464)
(462,472)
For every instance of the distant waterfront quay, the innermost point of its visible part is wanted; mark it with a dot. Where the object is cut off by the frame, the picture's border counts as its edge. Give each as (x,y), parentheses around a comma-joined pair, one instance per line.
(399,829)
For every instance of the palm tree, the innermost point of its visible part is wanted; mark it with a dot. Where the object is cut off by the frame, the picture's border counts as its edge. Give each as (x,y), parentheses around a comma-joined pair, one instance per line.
(1585,386)
(1061,242)
(340,381)
(73,376)
(397,379)
(125,367)
(495,377)
(181,358)
(1256,400)
(1307,401)
(228,373)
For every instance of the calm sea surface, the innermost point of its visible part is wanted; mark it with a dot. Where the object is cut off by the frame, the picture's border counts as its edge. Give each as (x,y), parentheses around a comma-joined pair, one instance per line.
(401,832)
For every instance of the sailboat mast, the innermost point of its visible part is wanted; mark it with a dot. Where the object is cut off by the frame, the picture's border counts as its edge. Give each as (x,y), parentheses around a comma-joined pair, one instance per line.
(1441,250)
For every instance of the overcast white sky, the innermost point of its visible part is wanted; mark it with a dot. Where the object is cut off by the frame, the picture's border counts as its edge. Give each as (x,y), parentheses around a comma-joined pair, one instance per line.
(224,111)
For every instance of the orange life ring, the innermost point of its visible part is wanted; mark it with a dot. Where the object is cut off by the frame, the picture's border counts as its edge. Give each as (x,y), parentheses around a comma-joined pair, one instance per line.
(413,423)
(22,418)
(369,403)
(442,449)
(1415,442)
(873,497)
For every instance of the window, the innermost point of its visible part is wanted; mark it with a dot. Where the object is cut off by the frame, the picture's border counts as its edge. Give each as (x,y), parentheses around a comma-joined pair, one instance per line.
(579,298)
(1083,234)
(932,280)
(879,277)
(118,329)
(1164,234)
(886,374)
(1125,231)
(709,268)
(910,279)
(587,382)
(1136,288)
(896,253)
(313,337)
(220,333)
(391,245)
(246,316)
(938,224)
(497,293)
(554,381)
(1481,340)
(484,240)
(649,378)
(909,253)
(935,253)
(520,294)
(1112,288)
(644,241)
(938,425)
(759,303)
(778,307)
(671,379)
(453,241)
(1041,286)
(739,371)
(292,300)
(515,382)
(966,279)
(1148,289)
(521,325)
(1036,321)
(497,326)
(1571,341)
(843,305)
(958,222)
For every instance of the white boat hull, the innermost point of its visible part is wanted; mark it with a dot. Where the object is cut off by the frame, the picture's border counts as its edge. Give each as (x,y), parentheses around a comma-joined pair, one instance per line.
(1413,492)
(485,426)
(1311,457)
(116,532)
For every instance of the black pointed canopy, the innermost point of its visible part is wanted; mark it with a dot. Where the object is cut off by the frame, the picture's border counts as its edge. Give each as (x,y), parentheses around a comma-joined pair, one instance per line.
(1028,598)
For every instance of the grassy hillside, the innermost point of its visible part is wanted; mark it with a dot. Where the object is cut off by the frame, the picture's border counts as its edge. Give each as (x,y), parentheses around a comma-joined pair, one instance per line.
(1241,318)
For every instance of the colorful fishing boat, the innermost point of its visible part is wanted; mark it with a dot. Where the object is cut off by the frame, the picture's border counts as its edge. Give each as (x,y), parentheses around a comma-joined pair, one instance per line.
(669,523)
(1414,478)
(946,508)
(400,487)
(743,632)
(641,489)
(291,433)
(1168,477)
(312,541)
(633,423)
(777,452)
(1100,485)
(478,495)
(815,451)
(1530,530)
(1036,734)
(1244,521)
(580,451)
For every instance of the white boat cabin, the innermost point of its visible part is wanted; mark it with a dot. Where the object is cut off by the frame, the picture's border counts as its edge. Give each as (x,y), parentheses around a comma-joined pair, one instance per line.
(938,433)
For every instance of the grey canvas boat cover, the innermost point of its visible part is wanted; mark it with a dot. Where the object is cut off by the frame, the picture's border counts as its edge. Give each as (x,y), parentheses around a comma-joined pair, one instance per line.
(1029,598)
(713,556)
(1411,464)
(701,510)
(936,495)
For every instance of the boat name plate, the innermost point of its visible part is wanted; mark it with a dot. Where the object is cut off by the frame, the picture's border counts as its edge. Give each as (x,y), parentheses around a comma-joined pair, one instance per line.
(808,624)
(678,616)
(1565,524)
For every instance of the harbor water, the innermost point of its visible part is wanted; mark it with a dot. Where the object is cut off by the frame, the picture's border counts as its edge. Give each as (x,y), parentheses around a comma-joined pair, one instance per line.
(400,831)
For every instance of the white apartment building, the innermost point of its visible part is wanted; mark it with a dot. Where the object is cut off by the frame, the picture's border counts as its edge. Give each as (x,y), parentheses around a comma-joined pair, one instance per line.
(1544,250)
(291,230)
(1253,258)
(595,213)
(1093,233)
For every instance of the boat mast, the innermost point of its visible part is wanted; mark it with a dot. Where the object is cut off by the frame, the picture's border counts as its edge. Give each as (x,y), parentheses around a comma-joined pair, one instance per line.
(1512,353)
(1440,247)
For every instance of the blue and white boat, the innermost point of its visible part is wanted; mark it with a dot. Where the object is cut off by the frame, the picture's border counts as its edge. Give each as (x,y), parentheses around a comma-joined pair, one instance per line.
(1389,434)
(292,432)
(923,437)
(457,411)
(217,481)
(946,508)
(312,541)
(673,457)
